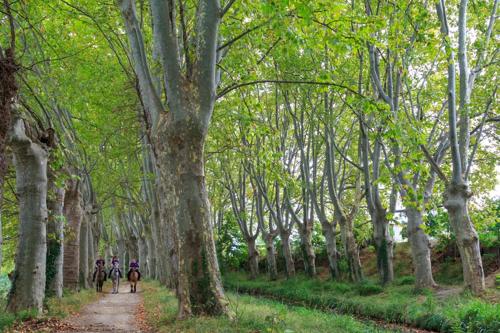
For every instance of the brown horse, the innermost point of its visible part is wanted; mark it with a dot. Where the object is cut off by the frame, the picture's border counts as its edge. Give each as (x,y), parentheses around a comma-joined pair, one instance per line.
(133,278)
(100,277)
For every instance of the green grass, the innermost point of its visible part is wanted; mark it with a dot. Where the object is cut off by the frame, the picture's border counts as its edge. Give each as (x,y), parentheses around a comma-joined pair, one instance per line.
(251,314)
(396,303)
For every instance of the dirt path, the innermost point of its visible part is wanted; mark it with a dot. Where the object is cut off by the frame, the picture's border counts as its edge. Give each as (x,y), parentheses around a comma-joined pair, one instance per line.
(112,313)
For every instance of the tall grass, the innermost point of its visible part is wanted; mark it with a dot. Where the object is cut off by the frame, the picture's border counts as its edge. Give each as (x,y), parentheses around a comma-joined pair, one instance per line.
(396,303)
(251,314)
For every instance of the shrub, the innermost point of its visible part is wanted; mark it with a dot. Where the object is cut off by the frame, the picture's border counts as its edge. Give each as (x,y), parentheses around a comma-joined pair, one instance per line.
(368,288)
(405,281)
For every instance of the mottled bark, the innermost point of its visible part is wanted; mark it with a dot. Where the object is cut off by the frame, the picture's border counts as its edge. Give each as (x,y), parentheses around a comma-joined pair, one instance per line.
(199,282)
(191,98)
(305,233)
(73,213)
(253,258)
(84,253)
(383,246)
(350,248)
(458,193)
(272,268)
(328,230)
(420,249)
(456,203)
(287,254)
(30,161)
(55,239)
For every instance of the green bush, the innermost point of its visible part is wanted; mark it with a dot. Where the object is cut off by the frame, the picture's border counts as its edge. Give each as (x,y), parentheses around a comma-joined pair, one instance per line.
(405,281)
(369,288)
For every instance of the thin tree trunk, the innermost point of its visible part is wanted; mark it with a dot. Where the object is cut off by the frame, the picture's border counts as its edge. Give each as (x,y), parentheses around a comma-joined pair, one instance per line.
(305,232)
(420,249)
(384,246)
(272,268)
(350,249)
(30,161)
(328,230)
(84,252)
(55,240)
(253,258)
(73,213)
(287,254)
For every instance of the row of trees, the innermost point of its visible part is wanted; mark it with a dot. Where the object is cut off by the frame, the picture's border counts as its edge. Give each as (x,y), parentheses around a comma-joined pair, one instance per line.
(331,112)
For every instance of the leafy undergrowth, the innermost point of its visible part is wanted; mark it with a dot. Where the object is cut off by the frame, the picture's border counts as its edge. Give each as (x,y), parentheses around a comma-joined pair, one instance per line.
(396,303)
(250,315)
(54,309)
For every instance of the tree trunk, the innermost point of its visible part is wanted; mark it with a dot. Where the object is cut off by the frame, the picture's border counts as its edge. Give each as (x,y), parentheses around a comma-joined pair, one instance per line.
(384,246)
(253,258)
(307,248)
(168,235)
(143,255)
(456,202)
(73,213)
(350,249)
(30,160)
(8,90)
(328,231)
(84,253)
(199,283)
(91,251)
(420,249)
(272,268)
(287,254)
(151,258)
(55,239)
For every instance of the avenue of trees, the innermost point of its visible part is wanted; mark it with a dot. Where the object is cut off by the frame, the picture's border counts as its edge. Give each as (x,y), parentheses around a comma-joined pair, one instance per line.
(157,129)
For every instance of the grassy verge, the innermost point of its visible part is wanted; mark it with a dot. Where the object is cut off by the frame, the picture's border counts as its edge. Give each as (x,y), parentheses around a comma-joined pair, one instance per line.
(251,315)
(54,308)
(397,303)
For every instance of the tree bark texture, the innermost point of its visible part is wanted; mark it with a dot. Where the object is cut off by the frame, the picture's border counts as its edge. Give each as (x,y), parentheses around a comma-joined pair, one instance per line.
(73,212)
(30,161)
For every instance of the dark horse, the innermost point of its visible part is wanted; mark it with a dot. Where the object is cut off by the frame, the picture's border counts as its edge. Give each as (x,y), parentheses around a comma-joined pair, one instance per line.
(100,277)
(133,277)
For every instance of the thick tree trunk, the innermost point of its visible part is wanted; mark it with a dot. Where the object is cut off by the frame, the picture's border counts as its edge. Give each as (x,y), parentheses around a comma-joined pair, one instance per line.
(84,253)
(350,249)
(328,230)
(287,254)
(30,160)
(456,202)
(55,239)
(384,246)
(73,213)
(168,235)
(307,248)
(199,283)
(253,258)
(272,268)
(420,249)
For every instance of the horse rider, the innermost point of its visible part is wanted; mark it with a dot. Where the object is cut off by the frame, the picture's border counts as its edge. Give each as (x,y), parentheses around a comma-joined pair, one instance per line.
(115,263)
(98,262)
(134,265)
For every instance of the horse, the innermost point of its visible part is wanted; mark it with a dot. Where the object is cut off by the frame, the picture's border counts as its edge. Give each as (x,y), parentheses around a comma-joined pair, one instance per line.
(100,277)
(114,274)
(133,278)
